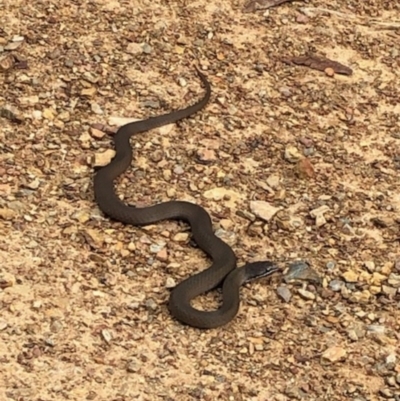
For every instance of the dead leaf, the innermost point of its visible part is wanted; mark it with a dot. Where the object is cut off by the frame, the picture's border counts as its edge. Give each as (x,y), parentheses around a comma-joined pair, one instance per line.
(320,64)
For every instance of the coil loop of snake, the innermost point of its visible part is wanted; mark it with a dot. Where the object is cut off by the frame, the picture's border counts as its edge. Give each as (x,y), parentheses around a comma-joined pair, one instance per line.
(223,270)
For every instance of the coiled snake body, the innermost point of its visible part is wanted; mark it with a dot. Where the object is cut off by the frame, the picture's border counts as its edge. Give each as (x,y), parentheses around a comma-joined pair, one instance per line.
(223,269)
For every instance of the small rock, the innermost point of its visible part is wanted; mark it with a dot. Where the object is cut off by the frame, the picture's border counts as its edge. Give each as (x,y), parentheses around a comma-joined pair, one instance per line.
(318,214)
(375,289)
(390,359)
(133,305)
(306,294)
(377,278)
(206,155)
(284,293)
(95,107)
(300,270)
(330,72)
(104,158)
(7,214)
(170,283)
(394,280)
(162,255)
(56,326)
(15,43)
(391,381)
(48,114)
(94,238)
(376,329)
(387,393)
(151,304)
(263,210)
(228,195)
(334,354)
(34,184)
(152,104)
(387,268)
(347,229)
(89,92)
(107,336)
(288,222)
(306,141)
(305,169)
(30,101)
(370,266)
(181,237)
(167,174)
(155,248)
(81,215)
(273,181)
(336,285)
(350,276)
(227,236)
(6,280)
(134,48)
(226,224)
(119,121)
(133,366)
(147,48)
(96,133)
(246,215)
(85,137)
(352,334)
(292,154)
(171,192)
(165,129)
(37,304)
(37,114)
(361,297)
(390,291)
(285,91)
(178,170)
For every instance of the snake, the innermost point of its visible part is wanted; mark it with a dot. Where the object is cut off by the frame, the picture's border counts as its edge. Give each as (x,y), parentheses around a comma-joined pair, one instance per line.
(223,272)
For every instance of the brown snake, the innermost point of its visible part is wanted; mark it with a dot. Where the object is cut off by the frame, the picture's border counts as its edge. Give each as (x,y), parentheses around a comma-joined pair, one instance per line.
(223,269)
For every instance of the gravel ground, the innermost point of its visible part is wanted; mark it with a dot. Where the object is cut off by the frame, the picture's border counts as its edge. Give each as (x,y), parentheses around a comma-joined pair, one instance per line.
(292,163)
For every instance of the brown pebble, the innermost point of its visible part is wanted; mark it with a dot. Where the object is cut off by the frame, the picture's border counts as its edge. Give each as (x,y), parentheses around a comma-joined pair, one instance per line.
(334,354)
(206,155)
(162,255)
(96,133)
(330,72)
(305,168)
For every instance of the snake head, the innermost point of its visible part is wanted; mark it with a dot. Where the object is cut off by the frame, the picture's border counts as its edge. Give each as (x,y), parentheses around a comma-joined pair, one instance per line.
(260,269)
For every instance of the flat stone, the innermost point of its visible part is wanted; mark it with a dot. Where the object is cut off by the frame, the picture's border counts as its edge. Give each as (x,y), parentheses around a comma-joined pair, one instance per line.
(350,276)
(370,266)
(306,294)
(284,293)
(334,354)
(181,237)
(103,158)
(263,210)
(170,283)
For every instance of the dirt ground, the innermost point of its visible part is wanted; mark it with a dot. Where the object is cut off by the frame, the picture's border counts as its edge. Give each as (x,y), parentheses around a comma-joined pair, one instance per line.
(292,163)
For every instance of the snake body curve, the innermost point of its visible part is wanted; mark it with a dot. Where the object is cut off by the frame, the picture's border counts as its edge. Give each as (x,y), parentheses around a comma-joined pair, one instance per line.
(223,269)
